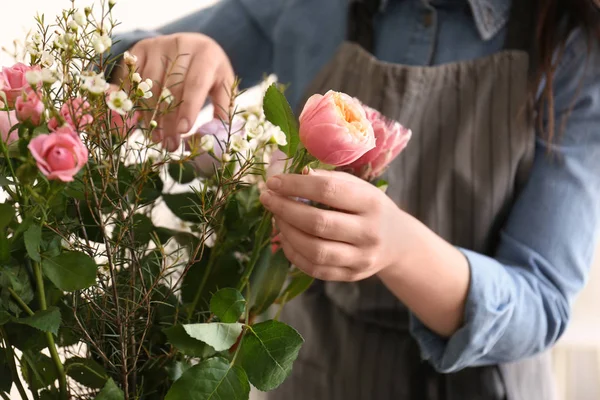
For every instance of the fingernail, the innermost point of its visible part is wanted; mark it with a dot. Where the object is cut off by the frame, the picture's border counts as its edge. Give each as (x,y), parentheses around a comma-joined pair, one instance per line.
(157,136)
(306,170)
(183,126)
(274,183)
(265,198)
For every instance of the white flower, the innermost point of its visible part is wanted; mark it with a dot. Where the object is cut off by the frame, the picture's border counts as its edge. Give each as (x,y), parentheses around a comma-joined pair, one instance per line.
(136,78)
(238,143)
(95,84)
(144,89)
(166,96)
(130,59)
(254,129)
(226,157)
(111,3)
(73,25)
(33,77)
(207,143)
(49,76)
(80,18)
(63,41)
(46,59)
(153,124)
(278,138)
(37,38)
(119,102)
(101,43)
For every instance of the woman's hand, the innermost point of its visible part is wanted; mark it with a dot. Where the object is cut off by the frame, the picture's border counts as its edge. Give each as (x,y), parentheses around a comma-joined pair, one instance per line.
(360,235)
(199,69)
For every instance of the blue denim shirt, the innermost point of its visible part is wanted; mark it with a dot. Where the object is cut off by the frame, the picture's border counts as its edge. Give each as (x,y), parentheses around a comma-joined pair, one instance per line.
(519,300)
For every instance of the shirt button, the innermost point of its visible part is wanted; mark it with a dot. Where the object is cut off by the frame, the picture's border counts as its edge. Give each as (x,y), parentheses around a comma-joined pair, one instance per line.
(428,19)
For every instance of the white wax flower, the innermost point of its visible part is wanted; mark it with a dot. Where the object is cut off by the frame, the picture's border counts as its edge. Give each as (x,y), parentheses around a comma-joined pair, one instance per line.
(279,138)
(48,76)
(101,43)
(166,96)
(207,143)
(130,59)
(63,41)
(238,143)
(136,78)
(95,84)
(112,3)
(80,18)
(253,128)
(46,59)
(119,102)
(226,157)
(153,124)
(33,77)
(145,89)
(73,25)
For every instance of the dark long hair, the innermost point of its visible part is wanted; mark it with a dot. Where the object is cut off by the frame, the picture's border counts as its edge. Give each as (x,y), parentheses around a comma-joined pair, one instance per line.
(556,20)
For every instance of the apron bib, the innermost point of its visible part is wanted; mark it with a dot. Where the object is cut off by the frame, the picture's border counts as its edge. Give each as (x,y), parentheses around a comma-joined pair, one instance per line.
(472,148)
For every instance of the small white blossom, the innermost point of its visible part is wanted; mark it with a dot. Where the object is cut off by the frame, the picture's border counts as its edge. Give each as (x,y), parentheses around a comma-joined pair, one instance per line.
(226,157)
(80,18)
(101,43)
(145,89)
(166,96)
(33,77)
(49,76)
(136,78)
(253,128)
(64,41)
(37,38)
(130,59)
(153,124)
(73,25)
(46,59)
(279,138)
(119,102)
(239,144)
(112,3)
(207,143)
(95,84)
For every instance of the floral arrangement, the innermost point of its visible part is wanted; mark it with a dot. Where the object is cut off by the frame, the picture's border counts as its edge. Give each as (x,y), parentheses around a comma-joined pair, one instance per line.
(96,300)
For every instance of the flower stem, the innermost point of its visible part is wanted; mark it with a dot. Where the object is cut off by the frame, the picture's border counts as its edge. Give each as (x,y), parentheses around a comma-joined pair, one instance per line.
(10,355)
(260,242)
(60,370)
(20,302)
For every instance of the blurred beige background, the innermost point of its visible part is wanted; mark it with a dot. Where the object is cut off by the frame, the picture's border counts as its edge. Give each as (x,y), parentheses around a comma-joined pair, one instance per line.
(577,355)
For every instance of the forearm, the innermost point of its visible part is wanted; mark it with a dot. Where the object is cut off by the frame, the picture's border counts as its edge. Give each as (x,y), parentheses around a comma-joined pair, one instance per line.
(431,279)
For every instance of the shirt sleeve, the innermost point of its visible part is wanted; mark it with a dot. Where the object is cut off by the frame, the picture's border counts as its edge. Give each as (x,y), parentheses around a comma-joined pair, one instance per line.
(241,27)
(519,301)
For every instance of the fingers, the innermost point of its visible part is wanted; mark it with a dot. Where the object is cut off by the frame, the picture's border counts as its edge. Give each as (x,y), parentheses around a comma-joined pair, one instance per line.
(220,92)
(331,190)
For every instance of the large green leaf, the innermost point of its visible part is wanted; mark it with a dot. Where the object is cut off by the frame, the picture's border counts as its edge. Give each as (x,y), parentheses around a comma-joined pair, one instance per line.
(86,371)
(38,370)
(299,283)
(24,337)
(46,320)
(17,278)
(187,206)
(217,335)
(7,213)
(268,351)
(268,279)
(178,338)
(176,369)
(110,391)
(5,317)
(182,172)
(279,113)
(228,305)
(151,189)
(33,239)
(71,271)
(5,373)
(213,379)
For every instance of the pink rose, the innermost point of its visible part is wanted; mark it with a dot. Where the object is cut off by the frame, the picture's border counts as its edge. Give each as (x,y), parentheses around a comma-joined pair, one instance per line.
(75,112)
(7,120)
(122,125)
(206,163)
(29,107)
(334,128)
(391,139)
(59,155)
(14,81)
(67,130)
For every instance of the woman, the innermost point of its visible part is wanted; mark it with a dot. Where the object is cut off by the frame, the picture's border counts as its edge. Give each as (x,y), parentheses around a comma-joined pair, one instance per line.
(472,260)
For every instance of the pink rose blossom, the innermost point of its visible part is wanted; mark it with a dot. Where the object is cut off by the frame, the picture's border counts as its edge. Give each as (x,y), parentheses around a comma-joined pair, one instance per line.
(334,128)
(391,139)
(75,112)
(68,130)
(14,81)
(59,155)
(7,120)
(29,107)
(122,125)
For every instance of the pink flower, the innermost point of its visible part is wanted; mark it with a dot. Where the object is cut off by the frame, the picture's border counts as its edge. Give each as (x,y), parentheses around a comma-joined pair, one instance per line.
(7,120)
(14,82)
(207,162)
(391,139)
(122,125)
(29,107)
(75,112)
(68,130)
(59,155)
(335,129)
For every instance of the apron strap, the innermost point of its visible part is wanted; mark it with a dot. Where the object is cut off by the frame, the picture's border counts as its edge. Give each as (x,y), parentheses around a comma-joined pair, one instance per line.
(520,33)
(361,14)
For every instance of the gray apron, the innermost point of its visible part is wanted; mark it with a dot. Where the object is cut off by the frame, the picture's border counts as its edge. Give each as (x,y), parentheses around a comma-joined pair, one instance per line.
(472,148)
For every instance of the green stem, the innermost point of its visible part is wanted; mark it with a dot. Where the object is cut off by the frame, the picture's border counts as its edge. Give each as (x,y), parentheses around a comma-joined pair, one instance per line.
(263,232)
(4,396)
(10,355)
(60,370)
(20,302)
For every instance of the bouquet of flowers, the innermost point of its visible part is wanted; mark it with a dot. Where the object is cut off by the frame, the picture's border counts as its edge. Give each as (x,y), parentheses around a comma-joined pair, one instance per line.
(99,301)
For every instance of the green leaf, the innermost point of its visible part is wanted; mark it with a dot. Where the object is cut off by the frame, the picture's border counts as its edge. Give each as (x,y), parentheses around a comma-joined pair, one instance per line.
(7,213)
(4,317)
(71,271)
(217,335)
(4,248)
(38,370)
(110,391)
(86,371)
(142,229)
(33,238)
(279,113)
(268,351)
(5,373)
(299,284)
(46,320)
(24,337)
(268,279)
(213,379)
(17,278)
(179,339)
(228,305)
(177,369)
(185,206)
(5,182)
(151,190)
(182,173)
